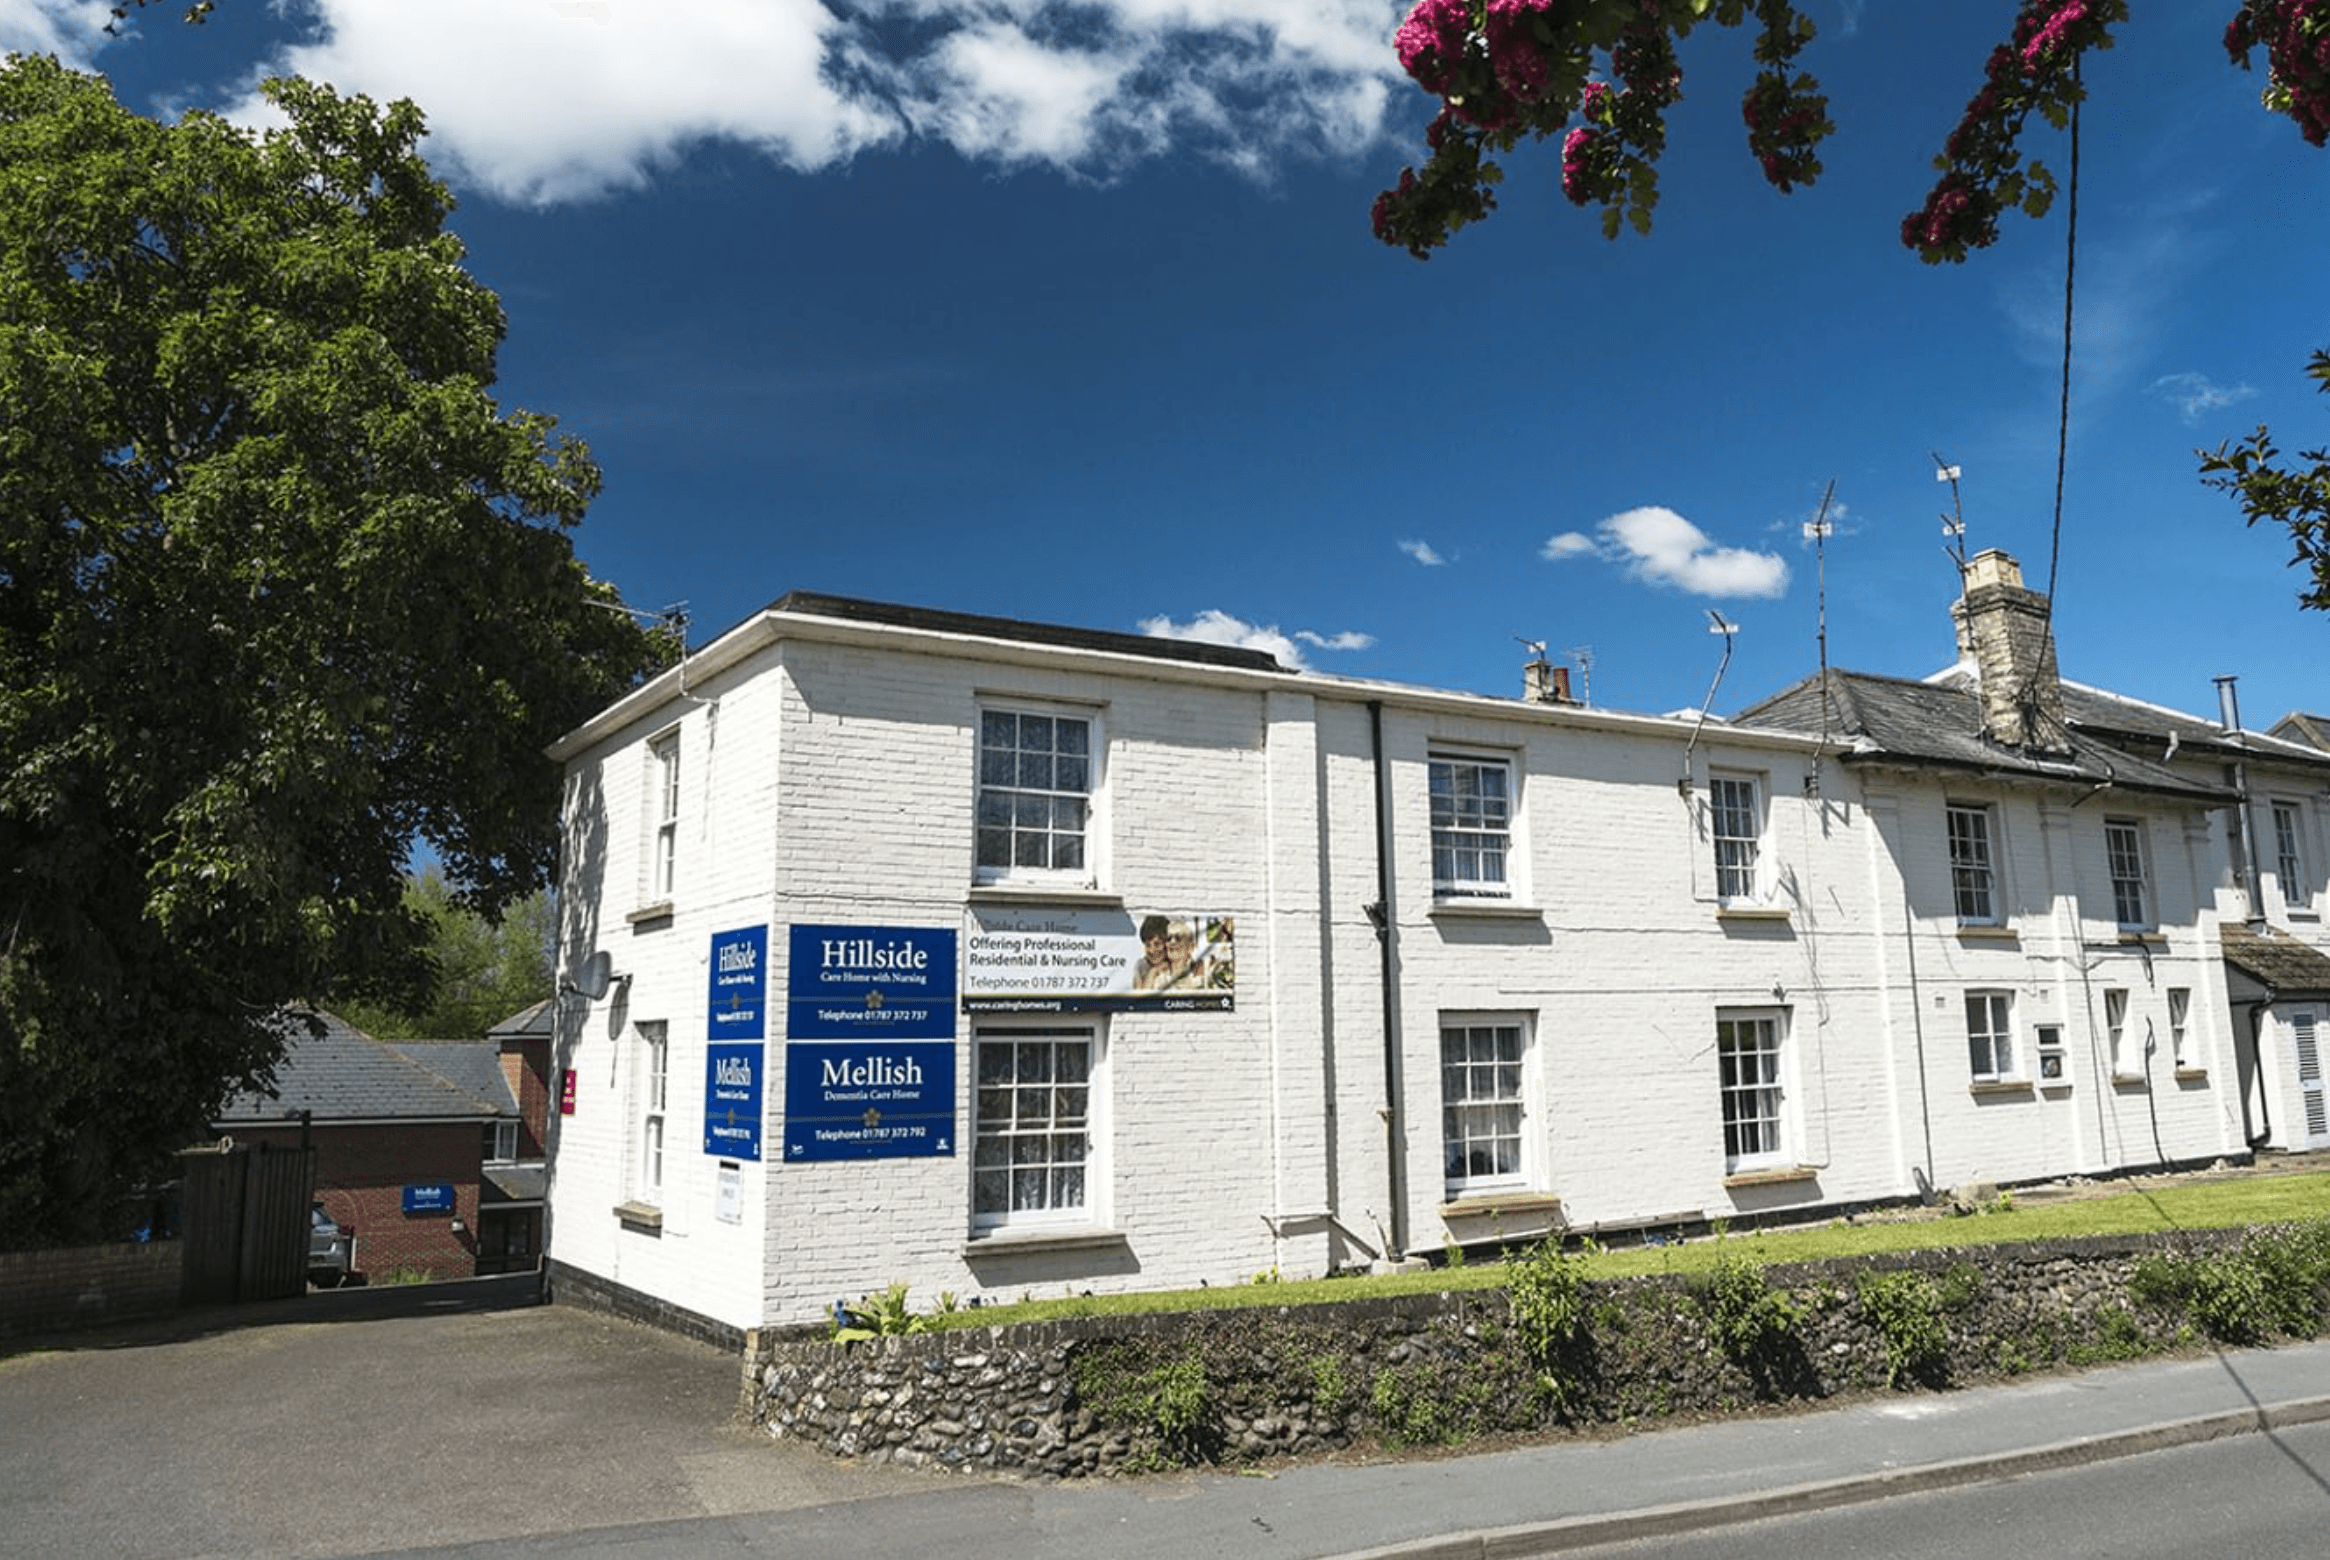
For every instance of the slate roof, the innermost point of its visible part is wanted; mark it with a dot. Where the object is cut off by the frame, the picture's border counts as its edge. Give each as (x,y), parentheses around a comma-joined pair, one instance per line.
(336,1072)
(500,1184)
(974,625)
(2276,959)
(2115,716)
(2311,730)
(532,1023)
(1938,723)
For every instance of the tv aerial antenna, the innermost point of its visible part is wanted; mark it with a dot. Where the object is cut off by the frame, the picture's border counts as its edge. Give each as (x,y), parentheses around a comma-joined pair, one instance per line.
(1953,523)
(1584,656)
(1717,623)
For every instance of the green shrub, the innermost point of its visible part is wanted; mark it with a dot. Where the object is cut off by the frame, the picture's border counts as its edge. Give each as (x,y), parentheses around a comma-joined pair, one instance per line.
(1906,1307)
(1747,1315)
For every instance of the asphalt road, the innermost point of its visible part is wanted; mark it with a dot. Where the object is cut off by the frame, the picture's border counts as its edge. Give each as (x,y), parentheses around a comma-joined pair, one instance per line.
(2234,1499)
(459,1421)
(368,1420)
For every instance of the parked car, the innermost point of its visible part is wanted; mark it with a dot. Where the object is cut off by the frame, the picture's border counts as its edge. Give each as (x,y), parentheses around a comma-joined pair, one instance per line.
(329,1249)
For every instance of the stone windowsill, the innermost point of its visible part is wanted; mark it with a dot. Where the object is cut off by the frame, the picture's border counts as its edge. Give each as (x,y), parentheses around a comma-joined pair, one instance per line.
(2192,1075)
(2127,1080)
(1487,909)
(2005,1085)
(1040,894)
(2136,935)
(1491,1205)
(1751,912)
(1773,1175)
(661,910)
(639,1216)
(1009,1242)
(1986,931)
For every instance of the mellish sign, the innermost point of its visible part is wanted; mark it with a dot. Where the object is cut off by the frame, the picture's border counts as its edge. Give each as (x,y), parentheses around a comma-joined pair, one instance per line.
(869,1100)
(732,1098)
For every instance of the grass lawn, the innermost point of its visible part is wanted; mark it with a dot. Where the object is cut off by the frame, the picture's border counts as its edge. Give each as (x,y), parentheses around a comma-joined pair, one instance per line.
(2242,1200)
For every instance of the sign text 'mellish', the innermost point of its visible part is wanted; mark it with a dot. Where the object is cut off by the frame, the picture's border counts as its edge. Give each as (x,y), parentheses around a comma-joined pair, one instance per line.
(868,1072)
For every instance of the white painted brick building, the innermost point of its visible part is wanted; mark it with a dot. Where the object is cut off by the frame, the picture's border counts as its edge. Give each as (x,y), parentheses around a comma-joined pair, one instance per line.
(1459,969)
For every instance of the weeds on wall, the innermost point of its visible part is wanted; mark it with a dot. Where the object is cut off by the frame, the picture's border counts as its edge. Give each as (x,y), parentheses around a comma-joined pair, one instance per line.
(2275,1284)
(1165,1401)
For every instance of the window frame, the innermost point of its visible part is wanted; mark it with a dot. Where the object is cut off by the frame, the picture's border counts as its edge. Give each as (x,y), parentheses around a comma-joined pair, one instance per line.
(989,795)
(2054,1060)
(663,811)
(2115,1032)
(651,1111)
(1994,1036)
(1767,1098)
(500,1130)
(1456,1138)
(2290,870)
(1090,1209)
(1970,831)
(1451,885)
(1730,889)
(2128,867)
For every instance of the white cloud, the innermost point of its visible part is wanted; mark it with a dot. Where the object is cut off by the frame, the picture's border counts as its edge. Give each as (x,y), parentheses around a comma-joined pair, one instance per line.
(1659,547)
(1215,627)
(2196,395)
(542,101)
(1422,552)
(72,30)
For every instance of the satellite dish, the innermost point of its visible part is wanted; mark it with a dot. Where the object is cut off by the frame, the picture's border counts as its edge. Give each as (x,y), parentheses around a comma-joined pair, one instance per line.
(594,977)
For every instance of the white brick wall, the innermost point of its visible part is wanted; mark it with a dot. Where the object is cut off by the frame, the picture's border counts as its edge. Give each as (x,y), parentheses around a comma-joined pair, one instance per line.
(830,778)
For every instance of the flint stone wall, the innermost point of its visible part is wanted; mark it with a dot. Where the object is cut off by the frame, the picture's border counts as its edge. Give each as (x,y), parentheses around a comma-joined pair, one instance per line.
(1095,1395)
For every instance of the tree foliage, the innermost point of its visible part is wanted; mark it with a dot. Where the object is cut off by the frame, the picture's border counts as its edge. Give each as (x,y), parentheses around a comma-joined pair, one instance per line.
(1601,74)
(485,970)
(281,588)
(2295,497)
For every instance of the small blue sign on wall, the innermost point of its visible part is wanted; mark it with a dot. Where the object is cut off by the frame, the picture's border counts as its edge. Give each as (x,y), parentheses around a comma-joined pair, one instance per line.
(869,1100)
(732,1099)
(738,1003)
(429,1197)
(870,983)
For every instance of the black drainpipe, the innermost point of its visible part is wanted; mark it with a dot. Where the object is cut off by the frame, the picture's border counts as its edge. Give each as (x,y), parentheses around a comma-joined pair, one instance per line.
(2264,1133)
(1382,917)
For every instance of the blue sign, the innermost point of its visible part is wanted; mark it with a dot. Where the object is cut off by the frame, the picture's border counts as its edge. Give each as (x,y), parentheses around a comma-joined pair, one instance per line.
(434,1197)
(732,1096)
(872,983)
(740,985)
(869,1100)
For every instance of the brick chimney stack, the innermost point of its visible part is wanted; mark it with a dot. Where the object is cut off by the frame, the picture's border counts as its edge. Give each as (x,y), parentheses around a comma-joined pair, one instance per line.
(2002,628)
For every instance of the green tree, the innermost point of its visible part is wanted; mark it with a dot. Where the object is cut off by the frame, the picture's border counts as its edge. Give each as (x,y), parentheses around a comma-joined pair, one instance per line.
(281,589)
(484,970)
(2291,496)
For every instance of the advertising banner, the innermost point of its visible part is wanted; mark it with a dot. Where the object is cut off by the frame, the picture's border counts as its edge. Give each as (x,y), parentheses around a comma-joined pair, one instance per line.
(732,1098)
(1046,960)
(870,983)
(737,1007)
(869,1100)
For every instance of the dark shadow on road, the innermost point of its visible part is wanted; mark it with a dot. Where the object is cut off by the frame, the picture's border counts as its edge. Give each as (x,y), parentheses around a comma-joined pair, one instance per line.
(369,1303)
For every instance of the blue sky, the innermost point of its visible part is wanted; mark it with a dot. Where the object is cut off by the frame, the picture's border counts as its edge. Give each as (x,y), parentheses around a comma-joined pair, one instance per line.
(1071,312)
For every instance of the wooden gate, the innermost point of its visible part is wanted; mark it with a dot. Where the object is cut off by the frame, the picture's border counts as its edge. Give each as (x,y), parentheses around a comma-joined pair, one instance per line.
(245,1222)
